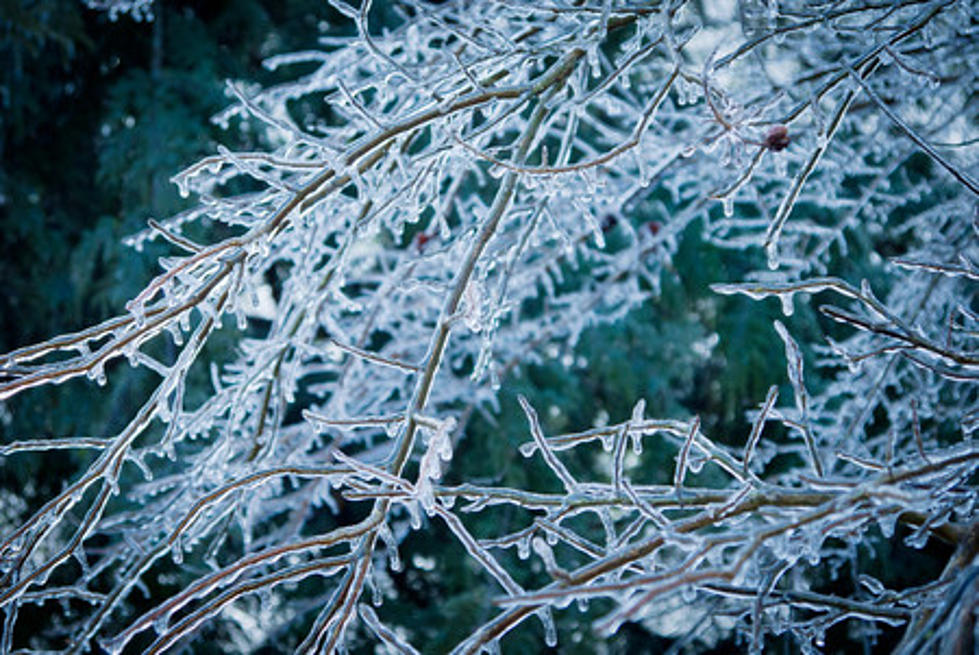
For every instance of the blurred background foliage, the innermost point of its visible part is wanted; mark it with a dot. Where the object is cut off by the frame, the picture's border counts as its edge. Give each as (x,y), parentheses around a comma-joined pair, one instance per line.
(96,115)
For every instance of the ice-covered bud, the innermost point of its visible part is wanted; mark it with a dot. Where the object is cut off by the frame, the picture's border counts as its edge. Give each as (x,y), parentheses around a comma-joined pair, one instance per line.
(421,239)
(777,139)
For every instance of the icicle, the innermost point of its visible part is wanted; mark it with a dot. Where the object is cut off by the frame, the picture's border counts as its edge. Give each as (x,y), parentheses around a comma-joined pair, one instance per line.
(391,545)
(594,62)
(143,467)
(377,598)
(550,630)
(97,373)
(786,299)
(177,550)
(523,547)
(771,251)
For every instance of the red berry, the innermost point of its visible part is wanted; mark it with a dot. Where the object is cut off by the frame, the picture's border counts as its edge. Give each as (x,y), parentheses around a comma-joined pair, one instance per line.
(421,239)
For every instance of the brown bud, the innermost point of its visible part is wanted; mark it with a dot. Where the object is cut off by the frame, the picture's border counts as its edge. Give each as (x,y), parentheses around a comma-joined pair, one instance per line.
(777,138)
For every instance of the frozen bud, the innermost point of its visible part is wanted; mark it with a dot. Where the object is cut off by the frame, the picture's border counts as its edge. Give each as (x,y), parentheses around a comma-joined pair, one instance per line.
(421,239)
(653,227)
(777,138)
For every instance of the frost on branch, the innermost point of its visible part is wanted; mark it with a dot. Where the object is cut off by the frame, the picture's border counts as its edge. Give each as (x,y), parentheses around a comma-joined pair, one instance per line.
(138,9)
(442,201)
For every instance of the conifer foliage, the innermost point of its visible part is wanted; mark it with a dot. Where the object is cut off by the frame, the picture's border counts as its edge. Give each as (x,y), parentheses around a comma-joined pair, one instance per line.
(446,200)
